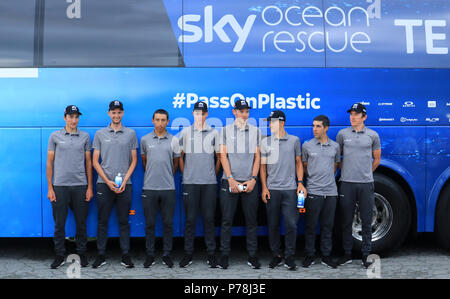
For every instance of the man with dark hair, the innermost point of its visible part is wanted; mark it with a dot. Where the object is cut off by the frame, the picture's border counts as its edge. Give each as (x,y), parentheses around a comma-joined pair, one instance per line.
(240,158)
(117,147)
(160,154)
(320,156)
(361,151)
(69,178)
(280,164)
(199,147)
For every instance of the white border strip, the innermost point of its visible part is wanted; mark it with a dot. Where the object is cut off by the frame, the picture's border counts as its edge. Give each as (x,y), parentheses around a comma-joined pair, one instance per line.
(19,72)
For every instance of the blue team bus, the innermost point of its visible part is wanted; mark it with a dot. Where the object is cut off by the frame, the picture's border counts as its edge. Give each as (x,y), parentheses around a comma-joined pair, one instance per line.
(305,57)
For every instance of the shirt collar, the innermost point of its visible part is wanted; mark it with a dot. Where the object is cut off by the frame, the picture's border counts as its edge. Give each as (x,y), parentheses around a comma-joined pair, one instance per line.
(362,131)
(245,129)
(112,130)
(326,143)
(77,133)
(166,135)
(285,137)
(205,129)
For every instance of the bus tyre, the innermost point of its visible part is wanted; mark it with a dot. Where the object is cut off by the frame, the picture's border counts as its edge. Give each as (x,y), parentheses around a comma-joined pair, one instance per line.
(443,218)
(391,217)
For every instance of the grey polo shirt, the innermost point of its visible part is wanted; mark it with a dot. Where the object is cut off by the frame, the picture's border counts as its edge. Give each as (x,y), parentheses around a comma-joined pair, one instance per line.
(321,158)
(115,150)
(160,153)
(199,147)
(69,165)
(280,155)
(241,148)
(357,148)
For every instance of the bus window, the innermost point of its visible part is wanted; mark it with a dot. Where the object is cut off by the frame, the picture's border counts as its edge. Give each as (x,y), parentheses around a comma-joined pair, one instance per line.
(108,33)
(17,33)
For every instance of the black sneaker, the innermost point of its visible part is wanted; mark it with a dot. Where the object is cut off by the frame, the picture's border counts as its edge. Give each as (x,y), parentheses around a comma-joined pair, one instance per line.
(365,263)
(254,262)
(223,263)
(289,262)
(343,260)
(167,261)
(99,261)
(212,261)
(83,261)
(186,261)
(126,261)
(58,262)
(309,261)
(149,261)
(275,262)
(329,262)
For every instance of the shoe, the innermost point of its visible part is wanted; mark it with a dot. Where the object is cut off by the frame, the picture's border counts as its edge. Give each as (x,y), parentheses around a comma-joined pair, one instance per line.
(275,262)
(223,263)
(99,261)
(83,261)
(186,261)
(149,261)
(289,262)
(126,261)
(212,261)
(58,262)
(343,260)
(329,262)
(254,262)
(365,263)
(167,261)
(309,261)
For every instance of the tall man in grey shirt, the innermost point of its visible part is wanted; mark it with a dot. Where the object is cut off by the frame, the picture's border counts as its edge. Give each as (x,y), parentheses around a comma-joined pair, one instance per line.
(240,157)
(199,146)
(69,178)
(280,165)
(320,156)
(361,156)
(160,155)
(117,147)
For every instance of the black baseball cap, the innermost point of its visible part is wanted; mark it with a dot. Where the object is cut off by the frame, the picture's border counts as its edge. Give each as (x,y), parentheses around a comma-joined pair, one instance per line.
(277,114)
(115,104)
(241,104)
(358,108)
(201,106)
(72,109)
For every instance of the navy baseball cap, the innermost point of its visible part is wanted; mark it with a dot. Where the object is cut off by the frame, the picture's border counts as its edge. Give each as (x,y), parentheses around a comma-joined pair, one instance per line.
(241,104)
(201,106)
(72,109)
(115,105)
(277,114)
(358,108)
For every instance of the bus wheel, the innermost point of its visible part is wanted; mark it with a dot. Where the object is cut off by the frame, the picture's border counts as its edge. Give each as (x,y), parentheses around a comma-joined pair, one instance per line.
(391,217)
(442,230)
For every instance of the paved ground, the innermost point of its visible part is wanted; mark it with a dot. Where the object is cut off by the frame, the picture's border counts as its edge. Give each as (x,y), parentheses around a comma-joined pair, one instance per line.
(31,258)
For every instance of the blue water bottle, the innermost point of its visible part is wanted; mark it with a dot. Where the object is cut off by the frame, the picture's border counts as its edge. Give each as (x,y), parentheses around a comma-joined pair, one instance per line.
(301,202)
(118,180)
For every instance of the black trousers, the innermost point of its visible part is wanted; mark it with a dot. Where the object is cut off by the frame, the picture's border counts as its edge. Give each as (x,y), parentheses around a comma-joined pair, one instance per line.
(323,208)
(282,202)
(200,198)
(363,194)
(105,202)
(152,200)
(228,203)
(75,198)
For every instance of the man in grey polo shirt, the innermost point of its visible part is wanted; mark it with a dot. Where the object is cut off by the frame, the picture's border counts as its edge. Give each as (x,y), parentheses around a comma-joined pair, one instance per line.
(320,156)
(69,179)
(240,158)
(361,156)
(117,147)
(199,147)
(280,165)
(160,154)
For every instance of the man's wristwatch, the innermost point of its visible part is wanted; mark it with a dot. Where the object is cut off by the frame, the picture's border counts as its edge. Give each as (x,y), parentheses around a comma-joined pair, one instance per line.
(229,177)
(255,177)
(300,181)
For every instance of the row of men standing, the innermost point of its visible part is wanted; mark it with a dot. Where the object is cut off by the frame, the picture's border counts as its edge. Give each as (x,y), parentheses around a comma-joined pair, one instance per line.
(199,152)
